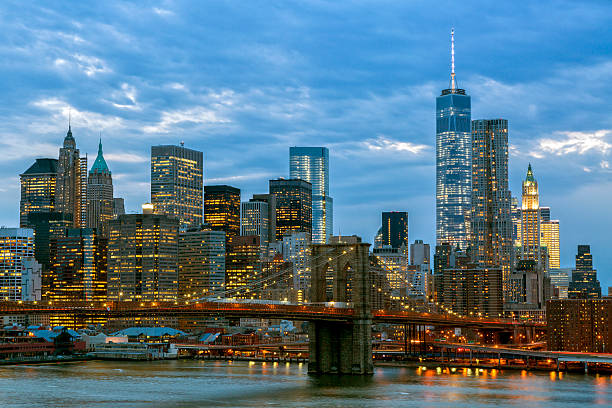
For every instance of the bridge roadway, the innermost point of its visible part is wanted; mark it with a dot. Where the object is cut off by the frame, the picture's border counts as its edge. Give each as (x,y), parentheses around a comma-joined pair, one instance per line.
(257,310)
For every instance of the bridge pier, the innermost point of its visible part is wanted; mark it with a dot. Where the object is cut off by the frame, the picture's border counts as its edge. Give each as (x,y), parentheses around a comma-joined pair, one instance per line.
(340,273)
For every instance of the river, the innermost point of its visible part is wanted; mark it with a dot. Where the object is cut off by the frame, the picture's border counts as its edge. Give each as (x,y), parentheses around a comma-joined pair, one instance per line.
(190,383)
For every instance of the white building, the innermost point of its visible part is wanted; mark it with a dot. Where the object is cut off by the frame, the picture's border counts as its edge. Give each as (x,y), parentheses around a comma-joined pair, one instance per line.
(20,274)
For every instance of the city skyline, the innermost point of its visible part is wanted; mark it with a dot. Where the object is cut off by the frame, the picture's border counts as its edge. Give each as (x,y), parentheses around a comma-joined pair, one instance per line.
(398,142)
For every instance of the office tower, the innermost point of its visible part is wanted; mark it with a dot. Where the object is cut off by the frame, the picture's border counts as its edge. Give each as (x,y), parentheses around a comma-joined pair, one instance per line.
(470,290)
(37,189)
(550,239)
(515,213)
(560,279)
(296,249)
(78,266)
(277,275)
(395,229)
(20,274)
(545,214)
(100,203)
(243,268)
(579,325)
(453,162)
(254,220)
(118,207)
(293,206)
(526,285)
(419,253)
(491,220)
(201,263)
(584,284)
(222,210)
(530,219)
(177,177)
(311,164)
(143,257)
(269,199)
(443,259)
(394,263)
(418,281)
(71,182)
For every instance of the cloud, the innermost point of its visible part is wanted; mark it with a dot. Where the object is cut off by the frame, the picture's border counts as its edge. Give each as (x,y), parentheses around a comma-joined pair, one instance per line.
(126,98)
(576,143)
(242,177)
(197,115)
(125,157)
(163,12)
(383,144)
(60,112)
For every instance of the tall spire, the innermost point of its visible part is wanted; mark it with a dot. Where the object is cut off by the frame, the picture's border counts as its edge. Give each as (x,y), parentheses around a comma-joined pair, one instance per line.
(69,141)
(529,174)
(453,82)
(99,165)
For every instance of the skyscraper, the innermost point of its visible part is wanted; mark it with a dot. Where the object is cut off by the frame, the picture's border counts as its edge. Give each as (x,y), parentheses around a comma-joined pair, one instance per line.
(177,177)
(78,266)
(293,206)
(312,165)
(222,210)
(71,182)
(38,184)
(243,266)
(491,221)
(550,240)
(453,162)
(269,199)
(143,258)
(100,203)
(395,229)
(254,220)
(20,274)
(201,263)
(584,284)
(419,253)
(530,219)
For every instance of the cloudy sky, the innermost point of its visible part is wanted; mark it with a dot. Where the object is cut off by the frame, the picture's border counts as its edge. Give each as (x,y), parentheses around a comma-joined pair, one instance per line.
(242,81)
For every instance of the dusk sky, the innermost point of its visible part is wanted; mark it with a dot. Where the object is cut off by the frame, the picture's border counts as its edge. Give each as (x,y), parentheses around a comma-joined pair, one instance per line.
(243,81)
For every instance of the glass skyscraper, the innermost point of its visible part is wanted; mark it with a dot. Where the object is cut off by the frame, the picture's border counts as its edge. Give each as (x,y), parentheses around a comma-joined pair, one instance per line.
(453,163)
(311,164)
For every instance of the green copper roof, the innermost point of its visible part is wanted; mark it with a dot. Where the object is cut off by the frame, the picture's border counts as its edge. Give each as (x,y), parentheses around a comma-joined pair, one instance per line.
(99,165)
(530,174)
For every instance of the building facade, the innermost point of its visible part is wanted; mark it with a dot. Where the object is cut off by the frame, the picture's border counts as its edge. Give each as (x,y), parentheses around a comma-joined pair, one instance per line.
(100,204)
(584,284)
(491,220)
(38,184)
(201,263)
(530,219)
(222,210)
(395,229)
(78,266)
(177,180)
(243,268)
(254,220)
(311,164)
(143,258)
(20,274)
(453,163)
(551,241)
(293,206)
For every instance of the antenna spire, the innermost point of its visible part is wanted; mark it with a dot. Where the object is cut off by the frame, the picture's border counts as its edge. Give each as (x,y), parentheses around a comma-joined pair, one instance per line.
(69,118)
(453,83)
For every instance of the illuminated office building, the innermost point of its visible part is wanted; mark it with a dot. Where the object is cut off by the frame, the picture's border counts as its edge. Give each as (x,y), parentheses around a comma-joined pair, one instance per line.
(38,184)
(394,263)
(177,177)
(100,203)
(118,207)
(222,210)
(311,164)
(453,162)
(78,266)
(293,206)
(20,274)
(71,182)
(395,229)
(530,219)
(550,239)
(559,279)
(201,263)
(584,284)
(254,220)
(515,212)
(270,200)
(491,221)
(296,249)
(143,257)
(243,268)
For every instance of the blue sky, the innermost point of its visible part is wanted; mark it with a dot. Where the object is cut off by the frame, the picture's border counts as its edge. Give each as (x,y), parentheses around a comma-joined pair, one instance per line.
(242,81)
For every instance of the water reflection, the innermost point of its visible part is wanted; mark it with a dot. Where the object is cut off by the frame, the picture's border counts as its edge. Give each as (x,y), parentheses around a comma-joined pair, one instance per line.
(257,384)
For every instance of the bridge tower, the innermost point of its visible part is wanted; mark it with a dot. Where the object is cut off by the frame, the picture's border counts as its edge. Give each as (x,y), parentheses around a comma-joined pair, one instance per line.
(340,273)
